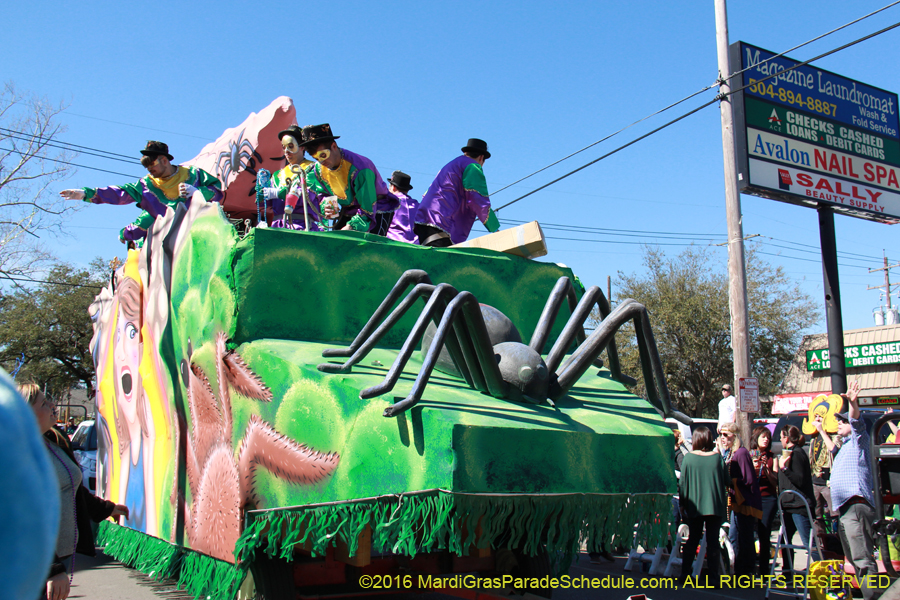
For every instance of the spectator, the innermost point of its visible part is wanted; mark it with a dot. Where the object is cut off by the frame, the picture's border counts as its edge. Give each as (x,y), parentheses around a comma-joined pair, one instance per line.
(727,406)
(820,462)
(702,493)
(761,453)
(746,505)
(794,474)
(729,442)
(851,491)
(77,504)
(681,449)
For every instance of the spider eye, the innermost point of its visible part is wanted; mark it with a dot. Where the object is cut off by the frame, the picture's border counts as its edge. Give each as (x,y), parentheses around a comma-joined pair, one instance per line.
(526,373)
(184,374)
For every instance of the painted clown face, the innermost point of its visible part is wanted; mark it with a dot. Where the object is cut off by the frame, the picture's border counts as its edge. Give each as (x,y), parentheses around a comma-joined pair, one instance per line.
(128,349)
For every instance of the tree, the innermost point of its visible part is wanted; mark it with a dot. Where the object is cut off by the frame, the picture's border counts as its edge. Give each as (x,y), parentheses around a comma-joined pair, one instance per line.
(31,162)
(687,297)
(47,330)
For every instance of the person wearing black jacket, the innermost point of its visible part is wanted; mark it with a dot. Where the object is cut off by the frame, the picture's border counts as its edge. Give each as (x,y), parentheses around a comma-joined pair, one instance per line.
(78,505)
(794,474)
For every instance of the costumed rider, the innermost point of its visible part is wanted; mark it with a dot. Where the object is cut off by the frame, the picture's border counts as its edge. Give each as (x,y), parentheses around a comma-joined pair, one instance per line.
(457,197)
(346,186)
(164,187)
(404,220)
(285,179)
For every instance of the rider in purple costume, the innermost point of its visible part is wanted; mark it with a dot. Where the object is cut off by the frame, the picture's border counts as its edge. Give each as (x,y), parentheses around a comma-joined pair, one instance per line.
(285,182)
(405,216)
(163,188)
(457,197)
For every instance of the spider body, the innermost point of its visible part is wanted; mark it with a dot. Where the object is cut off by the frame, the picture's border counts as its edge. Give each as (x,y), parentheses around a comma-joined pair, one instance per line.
(508,369)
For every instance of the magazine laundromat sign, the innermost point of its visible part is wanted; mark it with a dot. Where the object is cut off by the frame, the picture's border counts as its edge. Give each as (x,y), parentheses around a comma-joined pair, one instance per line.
(866,355)
(805,136)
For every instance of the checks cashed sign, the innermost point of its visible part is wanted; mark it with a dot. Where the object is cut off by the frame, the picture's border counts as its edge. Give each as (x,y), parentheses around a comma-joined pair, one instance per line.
(864,355)
(806,136)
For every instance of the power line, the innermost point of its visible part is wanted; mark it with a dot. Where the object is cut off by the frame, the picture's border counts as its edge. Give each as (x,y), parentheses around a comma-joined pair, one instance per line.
(73,146)
(608,154)
(844,47)
(817,38)
(692,95)
(609,136)
(71,163)
(96,287)
(136,126)
(55,145)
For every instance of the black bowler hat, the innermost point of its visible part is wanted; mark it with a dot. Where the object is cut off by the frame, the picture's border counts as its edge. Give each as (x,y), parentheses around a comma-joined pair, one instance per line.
(155,148)
(400,180)
(294,131)
(317,133)
(476,146)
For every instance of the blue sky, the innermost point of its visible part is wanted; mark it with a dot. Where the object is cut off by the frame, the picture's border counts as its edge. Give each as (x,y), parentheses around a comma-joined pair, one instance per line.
(407,83)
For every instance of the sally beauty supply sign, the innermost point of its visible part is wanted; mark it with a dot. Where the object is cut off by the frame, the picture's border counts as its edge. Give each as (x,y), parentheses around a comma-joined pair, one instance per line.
(807,136)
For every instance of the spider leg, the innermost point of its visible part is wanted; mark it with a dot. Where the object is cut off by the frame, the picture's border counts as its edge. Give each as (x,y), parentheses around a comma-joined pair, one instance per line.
(477,335)
(574,330)
(411,277)
(651,365)
(563,290)
(422,289)
(435,305)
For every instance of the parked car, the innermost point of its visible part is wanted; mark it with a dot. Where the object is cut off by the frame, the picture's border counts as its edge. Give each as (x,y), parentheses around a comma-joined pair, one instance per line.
(687,431)
(84,444)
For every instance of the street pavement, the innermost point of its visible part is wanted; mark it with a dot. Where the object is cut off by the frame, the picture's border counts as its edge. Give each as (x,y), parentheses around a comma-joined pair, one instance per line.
(102,578)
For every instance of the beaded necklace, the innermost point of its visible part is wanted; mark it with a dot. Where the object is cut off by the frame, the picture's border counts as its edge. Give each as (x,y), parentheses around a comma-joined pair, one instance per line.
(74,508)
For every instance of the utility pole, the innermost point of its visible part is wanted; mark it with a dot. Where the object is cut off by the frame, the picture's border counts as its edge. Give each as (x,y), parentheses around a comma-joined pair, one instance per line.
(737,276)
(887,280)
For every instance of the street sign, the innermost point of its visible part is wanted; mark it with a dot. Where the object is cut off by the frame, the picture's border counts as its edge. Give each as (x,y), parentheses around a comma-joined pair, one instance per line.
(808,136)
(748,388)
(863,355)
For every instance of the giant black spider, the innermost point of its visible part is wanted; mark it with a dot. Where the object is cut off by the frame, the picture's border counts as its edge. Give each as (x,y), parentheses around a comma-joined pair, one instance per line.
(503,368)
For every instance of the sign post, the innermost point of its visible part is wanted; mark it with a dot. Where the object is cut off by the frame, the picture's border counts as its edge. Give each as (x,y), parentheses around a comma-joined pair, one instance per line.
(748,388)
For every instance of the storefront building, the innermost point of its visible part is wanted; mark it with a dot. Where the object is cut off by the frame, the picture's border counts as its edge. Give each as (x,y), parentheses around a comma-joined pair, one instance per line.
(872,357)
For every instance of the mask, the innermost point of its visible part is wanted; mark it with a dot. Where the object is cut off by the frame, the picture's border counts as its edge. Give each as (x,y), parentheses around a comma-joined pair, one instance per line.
(290,144)
(322,155)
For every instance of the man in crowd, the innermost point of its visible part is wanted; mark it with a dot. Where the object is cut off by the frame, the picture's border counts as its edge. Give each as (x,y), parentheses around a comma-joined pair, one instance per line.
(164,187)
(346,185)
(851,491)
(283,180)
(404,220)
(727,406)
(820,463)
(457,197)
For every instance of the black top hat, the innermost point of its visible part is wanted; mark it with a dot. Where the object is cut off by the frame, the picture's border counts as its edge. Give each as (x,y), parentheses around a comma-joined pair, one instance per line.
(400,180)
(477,146)
(317,133)
(155,148)
(294,131)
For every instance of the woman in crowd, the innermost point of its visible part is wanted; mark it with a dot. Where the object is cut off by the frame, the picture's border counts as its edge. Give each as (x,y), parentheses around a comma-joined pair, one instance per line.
(702,494)
(794,474)
(77,503)
(746,505)
(761,453)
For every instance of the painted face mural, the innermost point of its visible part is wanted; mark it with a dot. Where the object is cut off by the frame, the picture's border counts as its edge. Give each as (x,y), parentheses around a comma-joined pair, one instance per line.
(134,423)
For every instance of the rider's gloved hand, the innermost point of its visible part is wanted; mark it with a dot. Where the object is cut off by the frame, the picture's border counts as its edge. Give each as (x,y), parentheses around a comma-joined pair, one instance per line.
(186,190)
(72,194)
(270,193)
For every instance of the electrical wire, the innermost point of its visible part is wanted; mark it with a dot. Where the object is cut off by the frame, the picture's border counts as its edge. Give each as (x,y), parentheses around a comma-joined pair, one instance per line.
(136,126)
(697,93)
(71,163)
(813,59)
(132,161)
(96,287)
(608,154)
(75,147)
(817,38)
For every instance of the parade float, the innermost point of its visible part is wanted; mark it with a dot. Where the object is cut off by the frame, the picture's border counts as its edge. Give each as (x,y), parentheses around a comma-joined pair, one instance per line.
(293,411)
